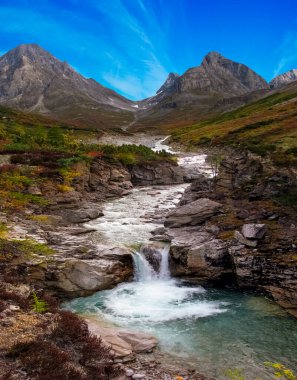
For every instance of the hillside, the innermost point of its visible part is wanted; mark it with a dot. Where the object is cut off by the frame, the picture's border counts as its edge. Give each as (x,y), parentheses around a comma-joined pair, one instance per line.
(266,127)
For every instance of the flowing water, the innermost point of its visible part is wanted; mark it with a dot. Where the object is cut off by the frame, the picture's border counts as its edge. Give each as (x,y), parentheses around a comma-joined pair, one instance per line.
(210,329)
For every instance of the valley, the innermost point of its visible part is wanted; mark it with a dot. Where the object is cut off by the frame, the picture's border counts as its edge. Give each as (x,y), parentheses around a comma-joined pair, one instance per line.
(168,224)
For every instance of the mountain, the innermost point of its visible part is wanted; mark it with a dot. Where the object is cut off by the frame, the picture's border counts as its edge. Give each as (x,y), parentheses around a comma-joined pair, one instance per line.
(218,84)
(34,80)
(219,74)
(284,79)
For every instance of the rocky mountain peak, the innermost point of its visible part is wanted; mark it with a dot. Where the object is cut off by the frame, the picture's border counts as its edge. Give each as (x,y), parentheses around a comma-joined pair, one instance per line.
(171,84)
(283,79)
(211,57)
(222,75)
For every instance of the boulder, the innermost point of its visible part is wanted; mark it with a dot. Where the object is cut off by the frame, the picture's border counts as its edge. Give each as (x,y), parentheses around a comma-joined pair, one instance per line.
(82,216)
(206,263)
(241,239)
(254,231)
(193,213)
(75,277)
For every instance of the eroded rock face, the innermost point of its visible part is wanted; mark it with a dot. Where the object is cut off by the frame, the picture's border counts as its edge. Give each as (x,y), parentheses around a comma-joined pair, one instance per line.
(199,188)
(237,170)
(192,213)
(162,173)
(271,186)
(274,274)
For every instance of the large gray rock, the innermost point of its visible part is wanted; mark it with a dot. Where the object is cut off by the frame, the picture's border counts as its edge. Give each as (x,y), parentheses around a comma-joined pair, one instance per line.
(193,213)
(197,255)
(254,231)
(75,277)
(205,263)
(82,216)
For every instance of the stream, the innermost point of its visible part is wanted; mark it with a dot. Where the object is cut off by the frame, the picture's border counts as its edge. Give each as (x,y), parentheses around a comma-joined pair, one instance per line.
(213,330)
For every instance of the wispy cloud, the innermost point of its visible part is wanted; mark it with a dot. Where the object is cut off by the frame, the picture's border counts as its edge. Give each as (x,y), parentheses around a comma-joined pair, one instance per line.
(140,72)
(287,53)
(140,87)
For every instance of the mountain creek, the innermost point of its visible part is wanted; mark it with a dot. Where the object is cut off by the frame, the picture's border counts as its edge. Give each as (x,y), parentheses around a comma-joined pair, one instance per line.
(210,329)
(177,277)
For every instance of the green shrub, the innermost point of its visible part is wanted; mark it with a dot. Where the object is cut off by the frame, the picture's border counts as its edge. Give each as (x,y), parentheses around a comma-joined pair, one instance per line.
(39,305)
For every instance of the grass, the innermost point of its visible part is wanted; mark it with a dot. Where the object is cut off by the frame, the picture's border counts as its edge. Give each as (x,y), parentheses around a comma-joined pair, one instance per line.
(24,249)
(289,199)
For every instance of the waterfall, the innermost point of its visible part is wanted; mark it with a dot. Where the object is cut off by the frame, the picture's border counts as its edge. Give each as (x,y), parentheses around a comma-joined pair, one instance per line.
(151,263)
(164,267)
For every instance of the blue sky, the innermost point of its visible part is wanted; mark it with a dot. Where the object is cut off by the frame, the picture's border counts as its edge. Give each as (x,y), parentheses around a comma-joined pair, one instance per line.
(132,45)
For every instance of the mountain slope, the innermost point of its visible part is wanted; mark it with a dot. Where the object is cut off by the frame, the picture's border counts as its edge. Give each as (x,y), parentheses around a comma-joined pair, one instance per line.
(265,127)
(32,79)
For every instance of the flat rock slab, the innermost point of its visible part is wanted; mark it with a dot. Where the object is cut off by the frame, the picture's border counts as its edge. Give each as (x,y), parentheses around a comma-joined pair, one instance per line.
(193,213)
(124,343)
(140,342)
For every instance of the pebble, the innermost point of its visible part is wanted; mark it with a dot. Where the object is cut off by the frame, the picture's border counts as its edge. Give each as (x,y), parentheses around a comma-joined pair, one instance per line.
(129,372)
(14,308)
(138,376)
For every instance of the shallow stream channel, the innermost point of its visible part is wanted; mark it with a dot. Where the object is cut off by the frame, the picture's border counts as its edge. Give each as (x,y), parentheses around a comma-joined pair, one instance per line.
(212,330)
